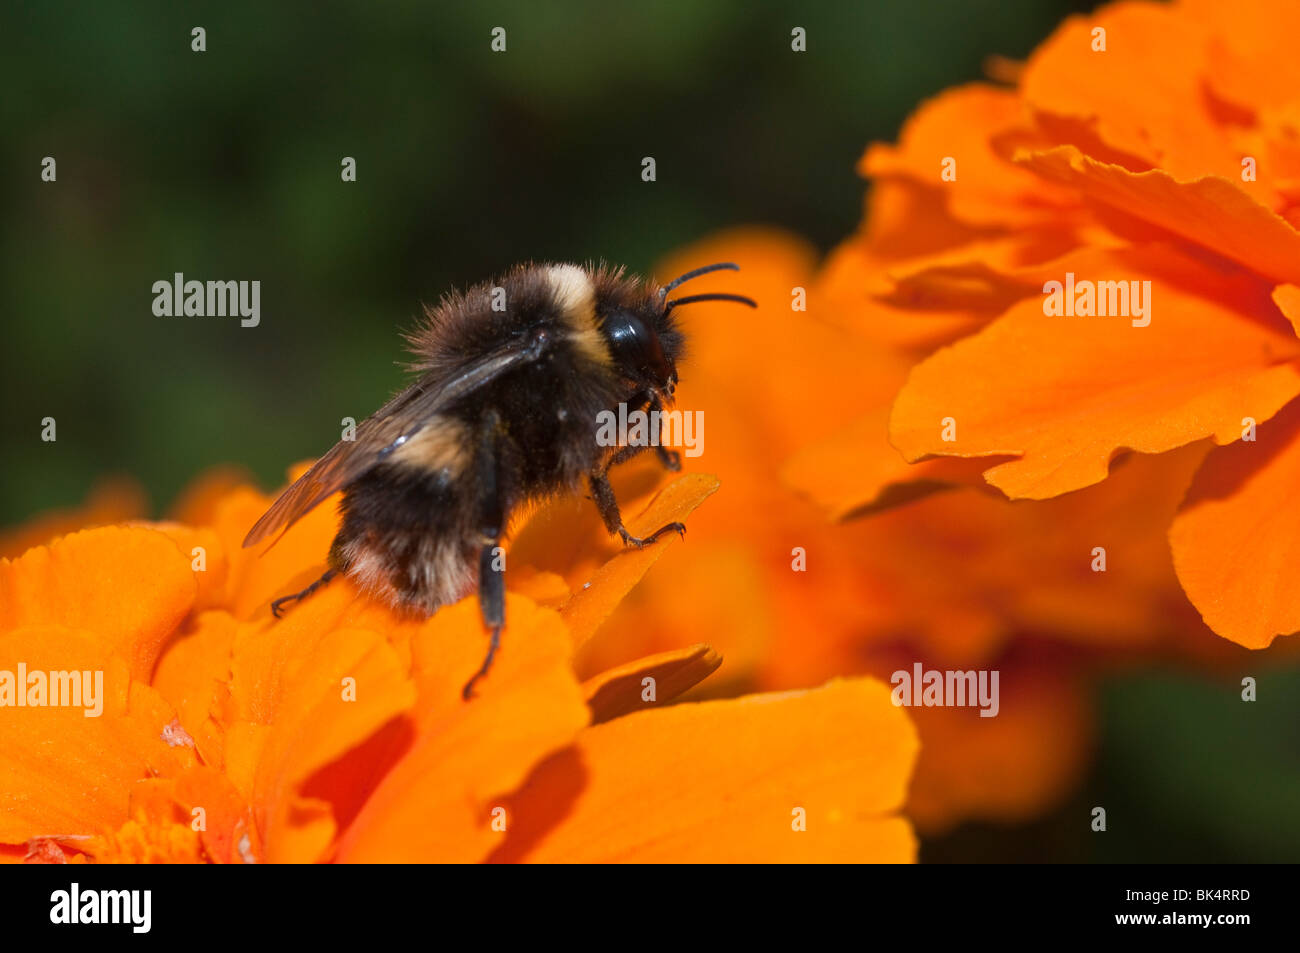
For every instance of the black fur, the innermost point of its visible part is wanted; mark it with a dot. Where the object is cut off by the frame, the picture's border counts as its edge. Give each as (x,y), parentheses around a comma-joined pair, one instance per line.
(546,411)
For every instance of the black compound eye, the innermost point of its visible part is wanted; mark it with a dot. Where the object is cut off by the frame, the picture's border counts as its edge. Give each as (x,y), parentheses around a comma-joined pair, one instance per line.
(636,348)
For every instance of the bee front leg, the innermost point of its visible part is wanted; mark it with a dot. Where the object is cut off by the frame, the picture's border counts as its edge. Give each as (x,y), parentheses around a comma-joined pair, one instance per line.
(671,459)
(491,570)
(603,495)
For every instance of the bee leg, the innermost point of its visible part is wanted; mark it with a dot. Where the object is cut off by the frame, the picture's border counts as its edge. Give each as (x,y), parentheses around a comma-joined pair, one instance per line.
(491,569)
(603,495)
(623,454)
(671,459)
(275,606)
(492,603)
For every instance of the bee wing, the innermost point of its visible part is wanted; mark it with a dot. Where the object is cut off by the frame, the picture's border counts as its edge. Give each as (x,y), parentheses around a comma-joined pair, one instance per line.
(379,435)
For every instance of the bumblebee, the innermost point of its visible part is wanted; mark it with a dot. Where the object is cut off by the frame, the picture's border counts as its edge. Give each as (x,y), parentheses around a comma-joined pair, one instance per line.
(513,376)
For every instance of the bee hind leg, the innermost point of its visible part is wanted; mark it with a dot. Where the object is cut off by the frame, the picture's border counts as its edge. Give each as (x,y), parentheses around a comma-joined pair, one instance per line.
(491,567)
(492,603)
(275,606)
(603,495)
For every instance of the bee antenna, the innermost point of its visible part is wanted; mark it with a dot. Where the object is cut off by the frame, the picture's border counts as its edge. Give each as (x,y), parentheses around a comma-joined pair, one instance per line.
(712,296)
(720,266)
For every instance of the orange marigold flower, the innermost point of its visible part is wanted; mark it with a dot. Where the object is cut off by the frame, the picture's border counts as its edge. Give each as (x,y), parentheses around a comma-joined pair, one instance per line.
(339,732)
(1149,143)
(954,580)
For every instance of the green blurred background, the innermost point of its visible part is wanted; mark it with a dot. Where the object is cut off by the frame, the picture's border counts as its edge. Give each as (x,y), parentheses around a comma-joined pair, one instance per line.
(225,165)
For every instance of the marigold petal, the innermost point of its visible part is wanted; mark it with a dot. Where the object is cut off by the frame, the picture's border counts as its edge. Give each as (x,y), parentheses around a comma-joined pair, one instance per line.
(587,608)
(544,588)
(1149,47)
(1251,55)
(266,571)
(264,650)
(857,472)
(1199,367)
(193,675)
(1236,539)
(229,835)
(330,699)
(725,781)
(960,124)
(1211,211)
(843,296)
(622,690)
(64,773)
(1287,299)
(131,585)
(202,547)
(711,592)
(435,803)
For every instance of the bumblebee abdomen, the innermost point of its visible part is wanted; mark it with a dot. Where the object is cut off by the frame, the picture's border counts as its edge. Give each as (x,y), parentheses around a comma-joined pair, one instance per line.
(405,539)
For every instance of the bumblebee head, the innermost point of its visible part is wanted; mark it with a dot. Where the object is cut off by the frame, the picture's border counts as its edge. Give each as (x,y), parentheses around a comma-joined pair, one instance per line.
(644,349)
(644,340)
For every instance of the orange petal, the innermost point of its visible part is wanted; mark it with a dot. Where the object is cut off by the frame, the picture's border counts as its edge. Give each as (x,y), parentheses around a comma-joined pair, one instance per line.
(857,472)
(435,804)
(727,781)
(1211,211)
(622,690)
(1251,58)
(714,589)
(207,558)
(1205,361)
(131,585)
(328,700)
(984,277)
(267,571)
(1236,539)
(589,607)
(1287,299)
(544,588)
(193,675)
(228,833)
(844,296)
(959,124)
(63,773)
(1149,47)
(905,218)
(264,649)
